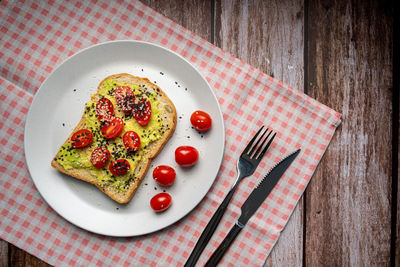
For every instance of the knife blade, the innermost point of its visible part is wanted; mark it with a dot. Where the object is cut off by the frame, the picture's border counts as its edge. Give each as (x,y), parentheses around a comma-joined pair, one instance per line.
(252,203)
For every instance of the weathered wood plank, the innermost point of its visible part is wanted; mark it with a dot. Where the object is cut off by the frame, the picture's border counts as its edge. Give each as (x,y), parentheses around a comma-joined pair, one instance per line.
(397,232)
(350,69)
(3,253)
(269,36)
(20,258)
(193,15)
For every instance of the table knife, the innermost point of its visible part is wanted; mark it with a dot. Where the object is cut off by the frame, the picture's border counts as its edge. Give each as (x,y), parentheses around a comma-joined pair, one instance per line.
(252,203)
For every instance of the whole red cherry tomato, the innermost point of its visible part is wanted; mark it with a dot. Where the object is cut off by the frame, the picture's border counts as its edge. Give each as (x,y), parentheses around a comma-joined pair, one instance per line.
(81,138)
(186,156)
(131,141)
(160,202)
(113,128)
(164,175)
(100,157)
(125,98)
(142,111)
(201,120)
(104,109)
(119,167)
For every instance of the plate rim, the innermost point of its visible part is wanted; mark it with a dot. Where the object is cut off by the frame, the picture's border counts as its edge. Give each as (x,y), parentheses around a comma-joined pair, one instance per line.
(29,121)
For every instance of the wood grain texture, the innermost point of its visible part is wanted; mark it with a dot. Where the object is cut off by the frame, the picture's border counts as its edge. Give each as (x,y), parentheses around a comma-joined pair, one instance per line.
(191,14)
(348,202)
(3,253)
(269,36)
(20,258)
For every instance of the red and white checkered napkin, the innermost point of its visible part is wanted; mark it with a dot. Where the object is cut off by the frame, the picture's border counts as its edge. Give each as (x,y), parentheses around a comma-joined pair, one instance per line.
(36,36)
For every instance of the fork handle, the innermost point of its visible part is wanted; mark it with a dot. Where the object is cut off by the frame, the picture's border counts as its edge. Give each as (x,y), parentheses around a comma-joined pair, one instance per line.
(224,246)
(209,230)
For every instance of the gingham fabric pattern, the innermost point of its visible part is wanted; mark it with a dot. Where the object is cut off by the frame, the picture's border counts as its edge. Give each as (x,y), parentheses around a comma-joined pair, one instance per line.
(36,36)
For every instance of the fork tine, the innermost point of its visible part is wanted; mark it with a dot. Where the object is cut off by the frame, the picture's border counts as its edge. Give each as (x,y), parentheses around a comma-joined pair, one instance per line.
(266,147)
(261,146)
(252,141)
(258,141)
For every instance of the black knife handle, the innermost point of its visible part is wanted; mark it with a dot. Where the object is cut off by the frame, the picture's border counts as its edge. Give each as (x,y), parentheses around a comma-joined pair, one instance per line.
(224,246)
(209,230)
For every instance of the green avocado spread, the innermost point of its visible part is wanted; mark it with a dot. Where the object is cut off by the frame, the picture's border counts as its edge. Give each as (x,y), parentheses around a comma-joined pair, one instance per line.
(79,158)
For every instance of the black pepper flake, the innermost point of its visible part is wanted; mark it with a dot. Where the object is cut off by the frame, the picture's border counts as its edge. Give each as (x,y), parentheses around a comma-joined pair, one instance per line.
(202,136)
(117,208)
(188,136)
(180,117)
(176,82)
(142,69)
(155,188)
(179,86)
(74,90)
(164,190)
(192,127)
(63,124)
(145,184)
(161,73)
(185,89)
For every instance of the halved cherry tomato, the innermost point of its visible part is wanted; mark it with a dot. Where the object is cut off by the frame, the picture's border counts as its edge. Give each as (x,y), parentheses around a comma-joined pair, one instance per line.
(142,111)
(125,98)
(201,120)
(100,157)
(131,141)
(104,109)
(160,202)
(164,175)
(81,138)
(113,128)
(186,156)
(119,167)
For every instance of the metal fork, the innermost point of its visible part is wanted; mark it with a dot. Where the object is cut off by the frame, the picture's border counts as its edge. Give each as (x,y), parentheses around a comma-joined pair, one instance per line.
(246,165)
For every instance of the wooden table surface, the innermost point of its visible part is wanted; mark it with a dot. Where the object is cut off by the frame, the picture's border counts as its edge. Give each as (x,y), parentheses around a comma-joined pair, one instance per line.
(340,53)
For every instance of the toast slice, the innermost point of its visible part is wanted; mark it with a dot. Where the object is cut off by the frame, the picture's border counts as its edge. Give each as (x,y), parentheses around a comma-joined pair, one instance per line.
(75,161)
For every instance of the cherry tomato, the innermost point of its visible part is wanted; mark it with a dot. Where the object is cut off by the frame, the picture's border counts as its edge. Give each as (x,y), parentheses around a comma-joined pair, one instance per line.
(81,138)
(160,202)
(131,141)
(104,110)
(164,175)
(125,98)
(201,120)
(142,111)
(119,167)
(113,128)
(186,156)
(100,157)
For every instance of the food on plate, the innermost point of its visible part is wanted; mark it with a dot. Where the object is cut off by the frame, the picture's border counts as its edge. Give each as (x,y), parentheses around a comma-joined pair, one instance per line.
(201,120)
(124,126)
(186,156)
(161,202)
(164,175)
(81,138)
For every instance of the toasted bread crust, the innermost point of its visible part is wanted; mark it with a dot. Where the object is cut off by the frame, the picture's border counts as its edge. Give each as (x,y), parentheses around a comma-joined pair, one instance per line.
(169,117)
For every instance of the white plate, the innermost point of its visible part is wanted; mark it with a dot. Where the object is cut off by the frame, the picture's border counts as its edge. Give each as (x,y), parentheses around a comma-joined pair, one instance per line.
(60,100)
